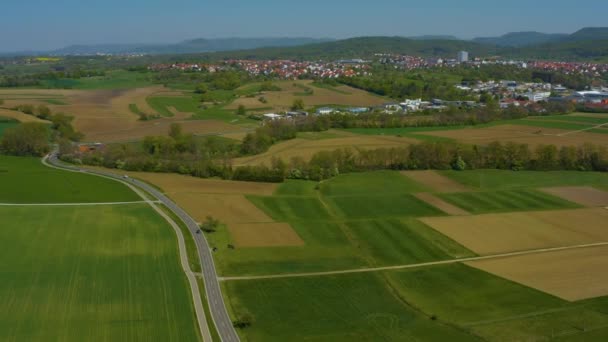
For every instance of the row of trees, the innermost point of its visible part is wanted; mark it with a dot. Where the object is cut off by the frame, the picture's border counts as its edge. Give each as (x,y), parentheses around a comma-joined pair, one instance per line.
(445,156)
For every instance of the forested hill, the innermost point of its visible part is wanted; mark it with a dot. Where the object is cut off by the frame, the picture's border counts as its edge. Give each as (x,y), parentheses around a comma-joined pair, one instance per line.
(364,47)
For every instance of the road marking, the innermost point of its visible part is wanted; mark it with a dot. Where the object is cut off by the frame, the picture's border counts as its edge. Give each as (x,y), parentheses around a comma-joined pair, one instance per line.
(425,264)
(74,204)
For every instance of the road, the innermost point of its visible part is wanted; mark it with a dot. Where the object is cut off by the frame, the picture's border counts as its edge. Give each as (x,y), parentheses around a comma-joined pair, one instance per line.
(220,316)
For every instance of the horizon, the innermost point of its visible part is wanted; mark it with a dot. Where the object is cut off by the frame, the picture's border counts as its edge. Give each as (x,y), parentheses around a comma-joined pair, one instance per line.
(55,26)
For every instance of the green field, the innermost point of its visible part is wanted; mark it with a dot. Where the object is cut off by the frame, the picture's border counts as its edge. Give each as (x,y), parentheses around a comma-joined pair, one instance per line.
(506,201)
(5,125)
(287,208)
(354,307)
(381,206)
(27,180)
(399,242)
(91,273)
(506,180)
(364,184)
(182,104)
(118,79)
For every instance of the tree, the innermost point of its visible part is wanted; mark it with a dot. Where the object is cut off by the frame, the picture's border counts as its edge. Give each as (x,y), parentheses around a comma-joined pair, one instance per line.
(175,130)
(27,139)
(201,88)
(44,112)
(241,110)
(298,104)
(210,225)
(459,164)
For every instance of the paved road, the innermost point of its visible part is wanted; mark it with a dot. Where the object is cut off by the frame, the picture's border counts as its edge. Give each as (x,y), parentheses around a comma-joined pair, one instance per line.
(424,264)
(220,316)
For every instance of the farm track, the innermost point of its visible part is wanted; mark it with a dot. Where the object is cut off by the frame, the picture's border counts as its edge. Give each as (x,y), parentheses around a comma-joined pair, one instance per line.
(425,264)
(217,307)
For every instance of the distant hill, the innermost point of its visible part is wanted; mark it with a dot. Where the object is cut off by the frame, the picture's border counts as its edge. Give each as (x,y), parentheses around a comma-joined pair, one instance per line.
(519,39)
(189,46)
(364,47)
(434,37)
(590,33)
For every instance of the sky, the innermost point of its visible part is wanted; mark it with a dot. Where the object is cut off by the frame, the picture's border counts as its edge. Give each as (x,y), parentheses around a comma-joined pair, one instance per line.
(44,24)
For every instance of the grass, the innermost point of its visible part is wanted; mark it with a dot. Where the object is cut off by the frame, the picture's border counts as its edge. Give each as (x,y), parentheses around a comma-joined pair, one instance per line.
(368,183)
(92,273)
(27,180)
(506,180)
(381,206)
(333,308)
(506,201)
(400,242)
(56,102)
(193,258)
(210,323)
(464,295)
(574,119)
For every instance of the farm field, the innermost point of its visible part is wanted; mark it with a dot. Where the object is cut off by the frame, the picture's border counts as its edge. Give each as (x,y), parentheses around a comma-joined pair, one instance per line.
(312,96)
(46,185)
(336,308)
(387,218)
(118,279)
(510,232)
(517,131)
(559,273)
(105,115)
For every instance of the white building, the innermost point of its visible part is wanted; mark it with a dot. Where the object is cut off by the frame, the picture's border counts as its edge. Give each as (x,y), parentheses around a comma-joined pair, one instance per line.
(462,57)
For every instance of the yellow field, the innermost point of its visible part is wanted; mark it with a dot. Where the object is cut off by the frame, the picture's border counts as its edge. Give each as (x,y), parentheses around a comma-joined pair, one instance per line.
(305,148)
(282,100)
(521,134)
(572,275)
(503,233)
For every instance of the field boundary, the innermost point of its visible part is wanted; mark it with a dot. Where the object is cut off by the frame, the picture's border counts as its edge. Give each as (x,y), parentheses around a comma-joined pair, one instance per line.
(425,264)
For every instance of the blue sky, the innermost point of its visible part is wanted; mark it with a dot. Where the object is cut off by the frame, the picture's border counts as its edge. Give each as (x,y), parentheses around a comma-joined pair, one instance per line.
(46,24)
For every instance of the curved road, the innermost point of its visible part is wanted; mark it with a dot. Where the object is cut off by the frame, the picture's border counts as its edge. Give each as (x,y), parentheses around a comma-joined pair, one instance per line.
(212,287)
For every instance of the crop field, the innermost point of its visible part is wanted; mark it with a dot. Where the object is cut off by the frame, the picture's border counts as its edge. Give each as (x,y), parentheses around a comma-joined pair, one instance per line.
(11,114)
(572,274)
(586,196)
(336,308)
(26,180)
(312,96)
(508,180)
(119,279)
(506,201)
(5,125)
(107,115)
(510,232)
(520,133)
(388,218)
